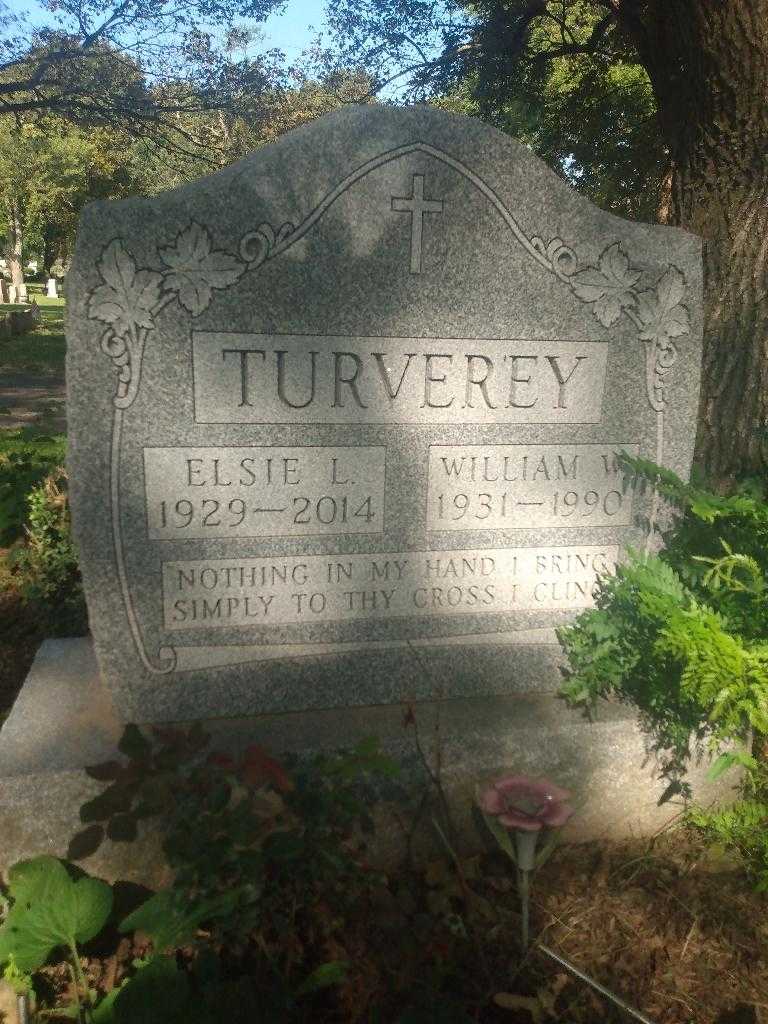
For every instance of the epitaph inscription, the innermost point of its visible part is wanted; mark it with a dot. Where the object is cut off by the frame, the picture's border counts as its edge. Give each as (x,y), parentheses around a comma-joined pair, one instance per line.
(206,594)
(365,391)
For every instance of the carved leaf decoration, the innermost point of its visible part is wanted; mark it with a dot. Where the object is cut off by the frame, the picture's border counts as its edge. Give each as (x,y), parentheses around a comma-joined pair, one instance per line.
(660,309)
(285,230)
(269,233)
(127,298)
(197,268)
(609,285)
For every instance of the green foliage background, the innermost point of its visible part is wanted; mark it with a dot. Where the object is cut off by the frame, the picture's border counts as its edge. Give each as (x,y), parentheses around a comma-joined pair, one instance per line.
(25,460)
(683,635)
(592,118)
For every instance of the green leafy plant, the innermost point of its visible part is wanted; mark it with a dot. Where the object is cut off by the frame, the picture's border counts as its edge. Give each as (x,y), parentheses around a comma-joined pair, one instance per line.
(25,460)
(45,569)
(743,827)
(652,643)
(50,910)
(229,820)
(683,637)
(170,921)
(20,981)
(161,992)
(47,563)
(217,811)
(724,533)
(263,852)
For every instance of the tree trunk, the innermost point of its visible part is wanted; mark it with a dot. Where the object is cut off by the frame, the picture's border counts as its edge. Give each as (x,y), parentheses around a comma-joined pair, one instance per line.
(708,63)
(13,253)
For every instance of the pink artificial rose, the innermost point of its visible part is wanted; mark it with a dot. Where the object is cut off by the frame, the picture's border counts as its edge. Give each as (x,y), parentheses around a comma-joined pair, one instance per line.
(527,804)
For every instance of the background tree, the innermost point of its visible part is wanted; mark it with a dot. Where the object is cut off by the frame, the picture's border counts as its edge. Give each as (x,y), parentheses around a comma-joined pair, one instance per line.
(706,65)
(48,171)
(223,136)
(135,98)
(131,64)
(591,117)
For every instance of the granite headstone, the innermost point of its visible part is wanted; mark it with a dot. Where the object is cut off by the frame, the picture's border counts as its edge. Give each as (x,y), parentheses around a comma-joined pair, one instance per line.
(345,418)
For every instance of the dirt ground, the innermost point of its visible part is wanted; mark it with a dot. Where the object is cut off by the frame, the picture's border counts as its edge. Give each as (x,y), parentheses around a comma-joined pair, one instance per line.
(665,925)
(673,928)
(676,933)
(30,399)
(32,390)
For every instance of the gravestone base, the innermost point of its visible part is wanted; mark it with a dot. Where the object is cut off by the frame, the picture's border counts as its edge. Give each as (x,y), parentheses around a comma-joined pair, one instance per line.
(64,719)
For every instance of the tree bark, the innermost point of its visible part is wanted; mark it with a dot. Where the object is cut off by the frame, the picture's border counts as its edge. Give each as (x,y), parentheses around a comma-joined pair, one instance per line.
(13,255)
(708,64)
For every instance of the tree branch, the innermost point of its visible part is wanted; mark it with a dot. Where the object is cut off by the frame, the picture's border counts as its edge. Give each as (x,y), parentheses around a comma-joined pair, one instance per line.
(92,37)
(626,15)
(534,10)
(589,46)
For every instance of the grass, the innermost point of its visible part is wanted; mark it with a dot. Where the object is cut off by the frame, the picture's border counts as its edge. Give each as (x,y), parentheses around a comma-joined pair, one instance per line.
(42,350)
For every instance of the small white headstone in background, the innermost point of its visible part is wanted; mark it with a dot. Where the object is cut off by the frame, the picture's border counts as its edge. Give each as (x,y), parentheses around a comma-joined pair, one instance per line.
(12,293)
(21,293)
(51,291)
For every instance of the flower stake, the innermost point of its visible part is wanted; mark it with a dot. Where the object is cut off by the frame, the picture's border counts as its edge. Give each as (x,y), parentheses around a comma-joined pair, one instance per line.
(517,809)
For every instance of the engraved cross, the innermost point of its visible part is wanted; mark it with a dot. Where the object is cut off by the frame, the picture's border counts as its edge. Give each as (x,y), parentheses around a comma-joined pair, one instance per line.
(417,206)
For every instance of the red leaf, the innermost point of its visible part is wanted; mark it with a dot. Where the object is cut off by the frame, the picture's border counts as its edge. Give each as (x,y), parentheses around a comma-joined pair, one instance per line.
(259,767)
(222,761)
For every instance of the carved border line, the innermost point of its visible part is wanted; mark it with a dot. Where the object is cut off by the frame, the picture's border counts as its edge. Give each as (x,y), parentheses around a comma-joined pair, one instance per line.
(129,299)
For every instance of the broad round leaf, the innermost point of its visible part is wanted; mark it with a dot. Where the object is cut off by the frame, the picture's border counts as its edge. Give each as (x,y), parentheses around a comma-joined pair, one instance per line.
(92,904)
(50,910)
(171,921)
(157,994)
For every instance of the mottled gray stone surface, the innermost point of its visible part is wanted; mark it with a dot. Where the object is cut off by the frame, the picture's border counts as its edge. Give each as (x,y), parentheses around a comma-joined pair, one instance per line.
(321,401)
(63,717)
(42,785)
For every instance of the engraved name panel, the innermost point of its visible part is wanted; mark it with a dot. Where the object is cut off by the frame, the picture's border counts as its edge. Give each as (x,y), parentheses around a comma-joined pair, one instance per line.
(260,378)
(519,486)
(260,491)
(204,594)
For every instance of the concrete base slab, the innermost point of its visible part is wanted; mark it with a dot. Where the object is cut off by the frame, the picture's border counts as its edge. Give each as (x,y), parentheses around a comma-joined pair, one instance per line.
(64,719)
